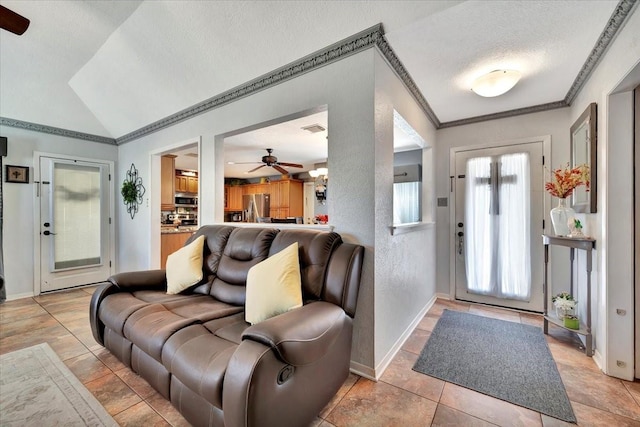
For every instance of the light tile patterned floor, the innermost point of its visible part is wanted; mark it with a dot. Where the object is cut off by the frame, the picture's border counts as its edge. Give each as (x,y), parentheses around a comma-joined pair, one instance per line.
(402,397)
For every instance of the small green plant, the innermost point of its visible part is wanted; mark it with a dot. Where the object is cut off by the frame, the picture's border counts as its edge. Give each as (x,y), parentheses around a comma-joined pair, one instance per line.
(577,224)
(129,192)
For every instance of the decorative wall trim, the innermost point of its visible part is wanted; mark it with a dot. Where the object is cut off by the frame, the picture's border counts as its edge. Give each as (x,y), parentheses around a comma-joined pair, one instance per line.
(622,11)
(403,74)
(35,127)
(373,36)
(504,114)
(340,50)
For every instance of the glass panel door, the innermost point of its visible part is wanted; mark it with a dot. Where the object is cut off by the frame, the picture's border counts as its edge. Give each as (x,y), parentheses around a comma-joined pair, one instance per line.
(75,243)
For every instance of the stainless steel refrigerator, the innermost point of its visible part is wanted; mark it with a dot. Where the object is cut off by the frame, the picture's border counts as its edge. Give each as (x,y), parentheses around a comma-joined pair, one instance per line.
(255,206)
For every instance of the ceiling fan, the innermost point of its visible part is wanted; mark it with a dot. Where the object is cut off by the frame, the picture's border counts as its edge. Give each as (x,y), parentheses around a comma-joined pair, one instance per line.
(270,160)
(11,21)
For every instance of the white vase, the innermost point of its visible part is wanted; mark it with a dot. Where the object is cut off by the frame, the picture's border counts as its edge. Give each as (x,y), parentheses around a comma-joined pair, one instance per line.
(560,217)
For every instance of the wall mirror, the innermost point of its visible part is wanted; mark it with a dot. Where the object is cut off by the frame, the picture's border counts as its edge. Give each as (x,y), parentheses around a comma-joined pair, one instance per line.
(583,151)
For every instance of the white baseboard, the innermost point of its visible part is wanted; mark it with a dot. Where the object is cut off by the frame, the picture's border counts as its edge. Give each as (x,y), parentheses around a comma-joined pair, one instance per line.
(375,374)
(19,296)
(597,357)
(443,296)
(363,371)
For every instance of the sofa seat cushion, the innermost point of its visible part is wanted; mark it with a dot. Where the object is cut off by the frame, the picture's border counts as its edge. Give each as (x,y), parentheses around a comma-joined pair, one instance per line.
(115,309)
(232,332)
(202,308)
(157,296)
(199,360)
(151,326)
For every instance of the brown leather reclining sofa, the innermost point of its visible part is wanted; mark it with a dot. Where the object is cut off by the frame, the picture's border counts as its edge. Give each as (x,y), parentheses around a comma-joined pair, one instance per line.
(196,349)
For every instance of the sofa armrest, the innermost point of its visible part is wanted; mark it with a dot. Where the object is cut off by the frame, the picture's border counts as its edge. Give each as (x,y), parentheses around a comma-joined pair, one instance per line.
(140,280)
(301,336)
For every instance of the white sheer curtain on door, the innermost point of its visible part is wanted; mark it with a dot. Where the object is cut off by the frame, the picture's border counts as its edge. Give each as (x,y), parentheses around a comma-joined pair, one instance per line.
(497,226)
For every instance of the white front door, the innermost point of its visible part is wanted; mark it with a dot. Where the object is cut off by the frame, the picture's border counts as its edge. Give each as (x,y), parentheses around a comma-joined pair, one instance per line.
(75,237)
(499,213)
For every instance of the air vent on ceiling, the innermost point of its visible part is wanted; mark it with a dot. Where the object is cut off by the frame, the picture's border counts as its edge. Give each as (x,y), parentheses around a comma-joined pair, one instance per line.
(313,128)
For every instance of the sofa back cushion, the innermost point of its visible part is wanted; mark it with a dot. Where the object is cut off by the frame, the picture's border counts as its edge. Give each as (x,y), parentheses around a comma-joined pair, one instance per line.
(315,248)
(216,237)
(245,248)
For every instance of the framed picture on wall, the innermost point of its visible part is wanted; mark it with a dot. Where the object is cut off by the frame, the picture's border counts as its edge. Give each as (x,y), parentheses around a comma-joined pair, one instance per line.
(17,174)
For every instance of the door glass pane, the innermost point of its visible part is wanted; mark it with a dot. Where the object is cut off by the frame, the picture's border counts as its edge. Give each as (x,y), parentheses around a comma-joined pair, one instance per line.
(76,215)
(497,226)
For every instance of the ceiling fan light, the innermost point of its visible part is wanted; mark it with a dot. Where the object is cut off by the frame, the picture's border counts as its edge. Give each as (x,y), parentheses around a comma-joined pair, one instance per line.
(495,83)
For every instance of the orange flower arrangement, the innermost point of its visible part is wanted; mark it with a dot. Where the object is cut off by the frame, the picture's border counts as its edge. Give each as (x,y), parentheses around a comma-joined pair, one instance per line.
(565,180)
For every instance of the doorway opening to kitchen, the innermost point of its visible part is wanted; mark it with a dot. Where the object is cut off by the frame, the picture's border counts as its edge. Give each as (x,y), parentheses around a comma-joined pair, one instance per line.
(175,198)
(268,166)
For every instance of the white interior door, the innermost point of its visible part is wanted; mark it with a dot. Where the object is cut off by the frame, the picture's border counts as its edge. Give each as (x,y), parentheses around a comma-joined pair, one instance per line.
(499,213)
(75,238)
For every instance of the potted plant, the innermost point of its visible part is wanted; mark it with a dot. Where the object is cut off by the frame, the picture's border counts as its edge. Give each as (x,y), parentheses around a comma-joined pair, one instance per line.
(571,322)
(565,305)
(129,192)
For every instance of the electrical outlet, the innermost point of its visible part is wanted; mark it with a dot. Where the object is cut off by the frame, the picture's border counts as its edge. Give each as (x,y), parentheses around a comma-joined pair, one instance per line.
(620,364)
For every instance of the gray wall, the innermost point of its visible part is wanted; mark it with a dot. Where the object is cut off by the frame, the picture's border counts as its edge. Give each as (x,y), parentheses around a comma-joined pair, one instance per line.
(346,87)
(404,263)
(20,228)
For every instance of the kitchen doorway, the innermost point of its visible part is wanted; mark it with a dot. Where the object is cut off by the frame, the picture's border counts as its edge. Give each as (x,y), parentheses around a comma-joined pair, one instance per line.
(497,220)
(75,199)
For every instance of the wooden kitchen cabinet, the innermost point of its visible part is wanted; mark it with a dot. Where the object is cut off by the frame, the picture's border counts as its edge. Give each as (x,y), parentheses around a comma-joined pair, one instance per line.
(288,198)
(167,183)
(171,242)
(186,184)
(235,198)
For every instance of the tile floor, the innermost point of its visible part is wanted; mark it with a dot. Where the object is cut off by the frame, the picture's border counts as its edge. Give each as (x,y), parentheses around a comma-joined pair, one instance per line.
(402,397)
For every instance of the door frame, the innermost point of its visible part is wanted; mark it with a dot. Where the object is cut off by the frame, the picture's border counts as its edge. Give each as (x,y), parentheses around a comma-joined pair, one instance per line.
(37,273)
(546,200)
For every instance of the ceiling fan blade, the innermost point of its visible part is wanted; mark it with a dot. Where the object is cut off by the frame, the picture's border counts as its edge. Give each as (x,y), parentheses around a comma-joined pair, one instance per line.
(255,169)
(291,165)
(244,163)
(279,169)
(11,21)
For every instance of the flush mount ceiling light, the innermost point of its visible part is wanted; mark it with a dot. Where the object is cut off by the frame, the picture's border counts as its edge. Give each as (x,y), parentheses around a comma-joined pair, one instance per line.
(495,83)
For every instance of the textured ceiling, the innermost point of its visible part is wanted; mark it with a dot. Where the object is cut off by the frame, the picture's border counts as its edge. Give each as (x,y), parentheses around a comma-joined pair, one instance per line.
(109,68)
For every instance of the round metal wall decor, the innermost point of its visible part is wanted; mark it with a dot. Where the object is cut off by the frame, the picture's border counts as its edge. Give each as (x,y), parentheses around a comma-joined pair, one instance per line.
(132,191)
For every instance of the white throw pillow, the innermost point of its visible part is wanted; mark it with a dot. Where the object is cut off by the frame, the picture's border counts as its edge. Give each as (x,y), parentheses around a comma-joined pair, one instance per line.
(274,286)
(184,267)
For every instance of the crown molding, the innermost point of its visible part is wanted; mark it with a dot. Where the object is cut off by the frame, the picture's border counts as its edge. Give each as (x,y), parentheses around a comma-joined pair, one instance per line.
(332,53)
(36,127)
(504,114)
(619,16)
(403,74)
(371,37)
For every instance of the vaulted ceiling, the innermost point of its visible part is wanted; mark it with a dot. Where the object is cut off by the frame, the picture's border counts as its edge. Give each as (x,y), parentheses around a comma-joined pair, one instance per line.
(109,68)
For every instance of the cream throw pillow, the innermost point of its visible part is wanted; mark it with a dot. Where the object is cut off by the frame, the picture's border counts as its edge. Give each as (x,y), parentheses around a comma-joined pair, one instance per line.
(184,267)
(274,286)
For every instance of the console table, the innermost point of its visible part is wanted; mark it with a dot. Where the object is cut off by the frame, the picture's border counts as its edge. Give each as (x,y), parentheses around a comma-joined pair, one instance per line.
(573,243)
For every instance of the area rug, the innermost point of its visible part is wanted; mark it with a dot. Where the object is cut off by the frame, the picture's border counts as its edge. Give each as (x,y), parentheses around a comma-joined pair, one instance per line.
(507,360)
(36,388)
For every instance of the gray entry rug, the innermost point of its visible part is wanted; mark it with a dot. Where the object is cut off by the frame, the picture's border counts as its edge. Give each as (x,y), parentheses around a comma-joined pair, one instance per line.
(36,388)
(507,360)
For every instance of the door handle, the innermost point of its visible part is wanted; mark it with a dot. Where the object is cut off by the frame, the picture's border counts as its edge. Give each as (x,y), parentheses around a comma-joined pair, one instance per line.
(460,242)
(48,233)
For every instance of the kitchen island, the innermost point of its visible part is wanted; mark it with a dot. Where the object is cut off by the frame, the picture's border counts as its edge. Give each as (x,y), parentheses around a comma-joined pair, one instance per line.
(173,238)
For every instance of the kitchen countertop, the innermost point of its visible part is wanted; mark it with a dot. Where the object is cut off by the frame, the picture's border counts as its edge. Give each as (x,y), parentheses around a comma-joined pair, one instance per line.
(171,229)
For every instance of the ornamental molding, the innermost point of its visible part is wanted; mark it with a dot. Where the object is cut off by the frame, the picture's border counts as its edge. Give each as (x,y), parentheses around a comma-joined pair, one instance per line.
(332,53)
(403,74)
(504,114)
(36,127)
(619,16)
(371,37)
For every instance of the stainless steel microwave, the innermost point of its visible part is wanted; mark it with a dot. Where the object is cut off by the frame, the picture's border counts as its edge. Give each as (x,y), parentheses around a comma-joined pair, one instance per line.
(186,201)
